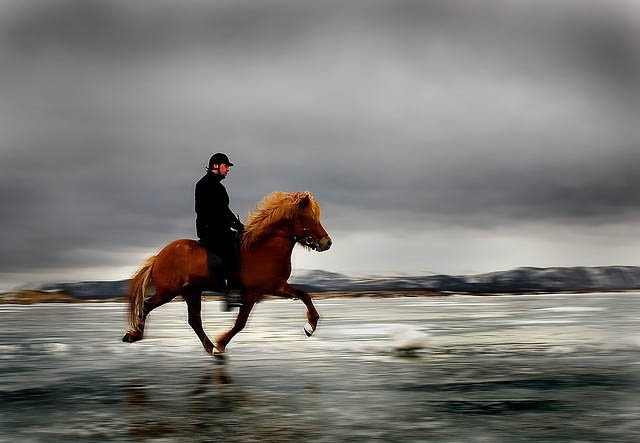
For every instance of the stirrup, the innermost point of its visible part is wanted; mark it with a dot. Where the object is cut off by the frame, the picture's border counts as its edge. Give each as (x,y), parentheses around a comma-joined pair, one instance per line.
(232,299)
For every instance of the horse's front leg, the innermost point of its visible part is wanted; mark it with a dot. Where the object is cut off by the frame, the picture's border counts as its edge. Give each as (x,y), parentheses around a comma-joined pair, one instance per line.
(312,315)
(241,320)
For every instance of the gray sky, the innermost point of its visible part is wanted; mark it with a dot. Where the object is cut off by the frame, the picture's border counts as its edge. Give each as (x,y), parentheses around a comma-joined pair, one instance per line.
(438,136)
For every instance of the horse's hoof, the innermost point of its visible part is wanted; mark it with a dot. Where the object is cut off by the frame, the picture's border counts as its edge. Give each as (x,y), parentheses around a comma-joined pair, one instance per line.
(129,338)
(132,336)
(218,351)
(309,330)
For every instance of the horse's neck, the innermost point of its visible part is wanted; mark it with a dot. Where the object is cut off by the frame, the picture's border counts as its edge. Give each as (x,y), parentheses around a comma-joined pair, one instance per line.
(268,260)
(284,230)
(272,253)
(280,240)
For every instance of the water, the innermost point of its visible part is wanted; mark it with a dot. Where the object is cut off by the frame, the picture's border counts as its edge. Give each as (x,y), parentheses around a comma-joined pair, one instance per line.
(555,368)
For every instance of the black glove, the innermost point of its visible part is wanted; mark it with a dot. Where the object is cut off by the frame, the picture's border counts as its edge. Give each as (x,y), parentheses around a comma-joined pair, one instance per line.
(237,224)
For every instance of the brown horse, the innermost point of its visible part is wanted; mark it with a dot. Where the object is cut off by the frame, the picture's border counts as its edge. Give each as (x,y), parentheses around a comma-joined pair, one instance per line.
(278,222)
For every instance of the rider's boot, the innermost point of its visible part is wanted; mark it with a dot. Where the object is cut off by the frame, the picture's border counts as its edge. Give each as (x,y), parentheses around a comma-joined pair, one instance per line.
(232,296)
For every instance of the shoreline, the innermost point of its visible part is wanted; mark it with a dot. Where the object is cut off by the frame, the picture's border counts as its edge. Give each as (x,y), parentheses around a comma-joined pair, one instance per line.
(30,297)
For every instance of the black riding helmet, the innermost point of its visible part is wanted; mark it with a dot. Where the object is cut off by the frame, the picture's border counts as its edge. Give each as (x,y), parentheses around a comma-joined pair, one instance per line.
(218,159)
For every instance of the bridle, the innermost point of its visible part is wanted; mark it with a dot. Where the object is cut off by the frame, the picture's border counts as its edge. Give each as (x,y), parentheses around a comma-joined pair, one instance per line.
(307,240)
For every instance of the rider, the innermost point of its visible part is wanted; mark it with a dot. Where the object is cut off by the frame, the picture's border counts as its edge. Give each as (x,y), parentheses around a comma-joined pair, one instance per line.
(217,227)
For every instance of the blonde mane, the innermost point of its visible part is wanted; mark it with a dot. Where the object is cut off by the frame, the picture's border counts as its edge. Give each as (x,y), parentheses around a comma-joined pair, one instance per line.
(274,208)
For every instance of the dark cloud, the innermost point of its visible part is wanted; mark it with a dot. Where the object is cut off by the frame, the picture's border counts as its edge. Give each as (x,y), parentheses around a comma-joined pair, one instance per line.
(391,112)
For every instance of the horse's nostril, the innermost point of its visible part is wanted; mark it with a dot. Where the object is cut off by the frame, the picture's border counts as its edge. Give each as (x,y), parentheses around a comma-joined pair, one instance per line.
(329,243)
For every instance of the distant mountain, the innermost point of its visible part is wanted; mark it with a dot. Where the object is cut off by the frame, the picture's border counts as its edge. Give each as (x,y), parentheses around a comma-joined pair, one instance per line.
(544,280)
(94,290)
(606,278)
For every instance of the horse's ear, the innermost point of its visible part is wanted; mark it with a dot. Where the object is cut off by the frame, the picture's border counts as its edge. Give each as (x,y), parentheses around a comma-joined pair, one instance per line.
(304,201)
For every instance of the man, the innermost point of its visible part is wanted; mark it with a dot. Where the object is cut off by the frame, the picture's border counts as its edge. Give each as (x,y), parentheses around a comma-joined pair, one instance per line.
(217,227)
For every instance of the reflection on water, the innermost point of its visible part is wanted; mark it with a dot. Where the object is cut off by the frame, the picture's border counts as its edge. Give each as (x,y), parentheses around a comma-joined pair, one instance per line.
(495,369)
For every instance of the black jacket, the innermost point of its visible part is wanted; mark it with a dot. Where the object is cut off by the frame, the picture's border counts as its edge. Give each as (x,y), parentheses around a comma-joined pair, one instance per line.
(214,219)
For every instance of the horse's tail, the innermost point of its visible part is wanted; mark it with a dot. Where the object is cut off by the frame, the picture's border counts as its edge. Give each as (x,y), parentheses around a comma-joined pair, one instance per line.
(137,291)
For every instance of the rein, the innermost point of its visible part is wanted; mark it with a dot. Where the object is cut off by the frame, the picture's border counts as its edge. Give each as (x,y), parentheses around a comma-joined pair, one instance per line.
(307,241)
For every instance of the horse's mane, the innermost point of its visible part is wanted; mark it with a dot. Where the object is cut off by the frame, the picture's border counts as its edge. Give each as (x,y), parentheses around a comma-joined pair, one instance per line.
(272,209)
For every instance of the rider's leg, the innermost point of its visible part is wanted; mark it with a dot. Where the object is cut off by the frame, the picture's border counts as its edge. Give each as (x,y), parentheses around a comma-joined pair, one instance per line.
(233,295)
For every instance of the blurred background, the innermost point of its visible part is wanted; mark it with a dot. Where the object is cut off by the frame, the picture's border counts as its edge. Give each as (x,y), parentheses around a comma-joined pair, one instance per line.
(438,136)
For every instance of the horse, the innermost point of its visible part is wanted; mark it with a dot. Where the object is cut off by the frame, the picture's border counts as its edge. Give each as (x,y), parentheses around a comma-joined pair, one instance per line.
(274,226)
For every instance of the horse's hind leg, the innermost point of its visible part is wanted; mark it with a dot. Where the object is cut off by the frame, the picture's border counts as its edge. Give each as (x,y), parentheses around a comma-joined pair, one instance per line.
(241,320)
(194,306)
(161,297)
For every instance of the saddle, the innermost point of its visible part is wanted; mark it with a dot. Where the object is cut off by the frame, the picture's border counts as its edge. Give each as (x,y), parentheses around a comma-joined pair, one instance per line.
(216,271)
(214,262)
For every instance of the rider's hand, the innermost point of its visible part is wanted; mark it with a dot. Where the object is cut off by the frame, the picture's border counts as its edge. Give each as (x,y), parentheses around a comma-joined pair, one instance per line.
(238,226)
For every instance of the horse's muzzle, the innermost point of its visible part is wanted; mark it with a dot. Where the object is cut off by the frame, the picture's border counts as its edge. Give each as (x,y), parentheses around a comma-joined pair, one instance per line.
(324,243)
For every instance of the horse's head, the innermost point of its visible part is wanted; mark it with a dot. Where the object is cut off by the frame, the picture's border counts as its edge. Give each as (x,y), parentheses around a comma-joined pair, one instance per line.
(294,215)
(307,229)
